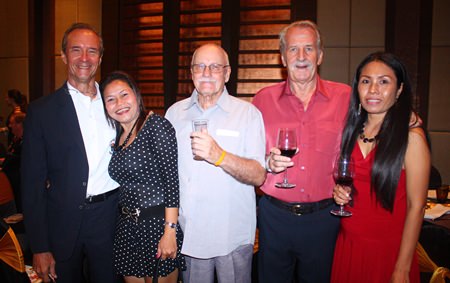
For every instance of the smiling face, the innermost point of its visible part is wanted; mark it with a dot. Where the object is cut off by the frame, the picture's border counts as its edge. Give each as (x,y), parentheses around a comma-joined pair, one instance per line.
(121,103)
(377,88)
(209,83)
(301,56)
(82,56)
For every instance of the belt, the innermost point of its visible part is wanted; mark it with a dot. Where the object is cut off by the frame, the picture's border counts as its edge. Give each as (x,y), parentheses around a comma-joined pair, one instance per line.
(157,211)
(299,208)
(100,197)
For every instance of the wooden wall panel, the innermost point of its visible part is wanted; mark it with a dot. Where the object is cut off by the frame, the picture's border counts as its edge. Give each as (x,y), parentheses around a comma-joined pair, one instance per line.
(141,48)
(200,23)
(266,3)
(247,29)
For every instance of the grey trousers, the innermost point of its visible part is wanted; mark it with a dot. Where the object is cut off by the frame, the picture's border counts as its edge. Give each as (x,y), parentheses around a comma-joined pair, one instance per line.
(235,267)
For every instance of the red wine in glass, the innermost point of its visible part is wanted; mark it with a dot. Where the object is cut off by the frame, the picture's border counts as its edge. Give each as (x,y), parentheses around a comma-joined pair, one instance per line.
(287,144)
(344,181)
(290,152)
(344,170)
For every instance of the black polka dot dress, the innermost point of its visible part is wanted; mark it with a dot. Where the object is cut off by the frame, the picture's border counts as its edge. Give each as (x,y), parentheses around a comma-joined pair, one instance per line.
(148,175)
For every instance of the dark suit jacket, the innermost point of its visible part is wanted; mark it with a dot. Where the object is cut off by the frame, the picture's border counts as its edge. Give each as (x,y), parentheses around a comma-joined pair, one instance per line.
(54,174)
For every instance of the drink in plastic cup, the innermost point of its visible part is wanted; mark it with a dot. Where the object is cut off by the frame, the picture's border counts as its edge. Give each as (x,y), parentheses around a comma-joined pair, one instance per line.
(199,125)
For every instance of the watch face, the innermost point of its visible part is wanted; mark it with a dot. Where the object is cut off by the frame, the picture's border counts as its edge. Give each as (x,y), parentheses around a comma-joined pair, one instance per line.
(171,225)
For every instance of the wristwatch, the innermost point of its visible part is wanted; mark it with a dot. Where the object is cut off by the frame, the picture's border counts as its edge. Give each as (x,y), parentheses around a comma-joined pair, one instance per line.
(171,225)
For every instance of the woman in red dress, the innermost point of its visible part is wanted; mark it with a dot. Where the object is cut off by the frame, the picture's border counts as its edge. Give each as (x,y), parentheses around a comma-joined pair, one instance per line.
(392,162)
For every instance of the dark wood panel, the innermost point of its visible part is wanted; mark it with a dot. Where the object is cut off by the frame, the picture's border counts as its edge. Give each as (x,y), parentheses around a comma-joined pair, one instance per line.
(153,101)
(260,59)
(144,61)
(136,10)
(142,22)
(200,4)
(272,15)
(146,75)
(185,88)
(201,18)
(258,30)
(153,88)
(200,32)
(143,35)
(251,88)
(259,3)
(260,74)
(142,49)
(157,40)
(258,44)
(187,48)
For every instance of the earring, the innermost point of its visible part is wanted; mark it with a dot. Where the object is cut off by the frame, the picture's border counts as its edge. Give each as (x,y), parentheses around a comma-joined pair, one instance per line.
(359,109)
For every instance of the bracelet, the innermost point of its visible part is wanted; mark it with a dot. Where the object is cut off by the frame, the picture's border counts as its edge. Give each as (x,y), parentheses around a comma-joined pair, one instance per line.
(170,224)
(222,156)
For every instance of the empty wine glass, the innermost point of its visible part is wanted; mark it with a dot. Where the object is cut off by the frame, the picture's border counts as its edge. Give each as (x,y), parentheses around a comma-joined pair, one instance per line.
(344,171)
(287,144)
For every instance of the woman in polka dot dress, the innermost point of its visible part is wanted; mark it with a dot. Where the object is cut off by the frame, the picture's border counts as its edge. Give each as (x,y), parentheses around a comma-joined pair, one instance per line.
(144,163)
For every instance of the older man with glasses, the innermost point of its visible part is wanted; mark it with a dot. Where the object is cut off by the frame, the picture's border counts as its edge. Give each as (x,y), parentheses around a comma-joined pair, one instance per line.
(218,169)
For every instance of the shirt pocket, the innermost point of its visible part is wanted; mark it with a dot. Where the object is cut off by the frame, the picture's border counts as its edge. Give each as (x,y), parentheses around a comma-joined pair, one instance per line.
(229,140)
(327,138)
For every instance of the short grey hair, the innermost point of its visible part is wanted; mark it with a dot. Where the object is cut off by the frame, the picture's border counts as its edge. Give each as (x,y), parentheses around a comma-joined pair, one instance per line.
(300,24)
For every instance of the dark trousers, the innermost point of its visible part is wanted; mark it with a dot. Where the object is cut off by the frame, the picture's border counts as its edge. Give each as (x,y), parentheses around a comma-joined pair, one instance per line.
(289,243)
(92,259)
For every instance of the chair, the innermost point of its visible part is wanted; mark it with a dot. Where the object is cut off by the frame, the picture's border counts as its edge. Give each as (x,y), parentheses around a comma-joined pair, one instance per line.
(10,250)
(426,264)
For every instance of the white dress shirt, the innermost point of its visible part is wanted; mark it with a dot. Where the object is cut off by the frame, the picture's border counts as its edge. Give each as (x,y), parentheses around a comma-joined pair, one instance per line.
(98,136)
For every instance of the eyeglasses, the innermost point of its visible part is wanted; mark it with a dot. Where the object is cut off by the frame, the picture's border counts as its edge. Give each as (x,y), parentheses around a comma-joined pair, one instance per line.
(213,68)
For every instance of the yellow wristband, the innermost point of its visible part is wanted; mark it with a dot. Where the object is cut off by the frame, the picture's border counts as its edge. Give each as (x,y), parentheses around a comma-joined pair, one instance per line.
(222,156)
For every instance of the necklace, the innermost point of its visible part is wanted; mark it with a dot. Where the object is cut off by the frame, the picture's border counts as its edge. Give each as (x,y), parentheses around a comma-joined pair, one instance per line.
(128,137)
(363,137)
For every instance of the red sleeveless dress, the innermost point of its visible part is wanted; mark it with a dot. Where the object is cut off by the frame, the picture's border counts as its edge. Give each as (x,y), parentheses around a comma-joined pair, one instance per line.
(369,241)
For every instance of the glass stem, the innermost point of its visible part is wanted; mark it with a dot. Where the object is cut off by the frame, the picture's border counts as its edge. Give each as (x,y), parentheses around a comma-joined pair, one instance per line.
(285,177)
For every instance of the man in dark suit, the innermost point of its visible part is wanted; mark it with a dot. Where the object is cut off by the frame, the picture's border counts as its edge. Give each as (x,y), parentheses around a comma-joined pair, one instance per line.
(69,200)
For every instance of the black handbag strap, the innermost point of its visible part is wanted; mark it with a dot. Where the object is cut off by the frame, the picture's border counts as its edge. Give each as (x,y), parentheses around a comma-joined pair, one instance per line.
(178,265)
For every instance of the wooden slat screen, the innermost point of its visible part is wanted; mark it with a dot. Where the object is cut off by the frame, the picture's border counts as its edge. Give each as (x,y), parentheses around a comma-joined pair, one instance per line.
(141,48)
(200,22)
(259,59)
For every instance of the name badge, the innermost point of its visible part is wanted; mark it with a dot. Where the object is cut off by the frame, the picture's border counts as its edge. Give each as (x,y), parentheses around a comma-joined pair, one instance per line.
(227,133)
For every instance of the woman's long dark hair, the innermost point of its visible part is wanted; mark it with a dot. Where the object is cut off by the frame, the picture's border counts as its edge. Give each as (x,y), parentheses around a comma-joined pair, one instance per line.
(392,138)
(124,77)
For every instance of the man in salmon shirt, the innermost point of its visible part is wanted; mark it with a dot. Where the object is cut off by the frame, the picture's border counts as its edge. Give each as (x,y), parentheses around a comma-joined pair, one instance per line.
(296,229)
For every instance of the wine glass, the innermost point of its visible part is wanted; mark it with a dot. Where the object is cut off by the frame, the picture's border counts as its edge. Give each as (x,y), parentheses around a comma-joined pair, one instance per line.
(344,171)
(287,143)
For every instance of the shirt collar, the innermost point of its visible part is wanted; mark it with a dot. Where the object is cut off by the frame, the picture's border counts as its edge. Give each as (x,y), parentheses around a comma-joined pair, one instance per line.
(75,92)
(224,101)
(320,89)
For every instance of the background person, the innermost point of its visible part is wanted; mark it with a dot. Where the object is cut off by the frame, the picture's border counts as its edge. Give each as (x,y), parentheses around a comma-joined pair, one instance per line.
(18,102)
(69,199)
(296,229)
(11,163)
(378,242)
(217,198)
(144,163)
